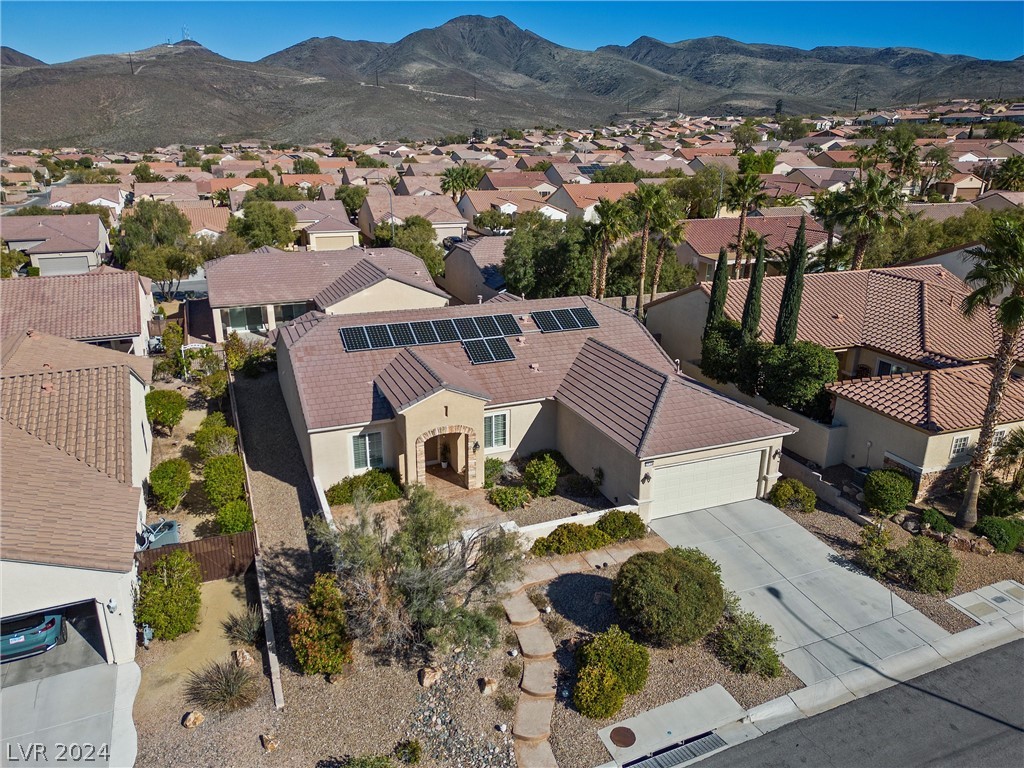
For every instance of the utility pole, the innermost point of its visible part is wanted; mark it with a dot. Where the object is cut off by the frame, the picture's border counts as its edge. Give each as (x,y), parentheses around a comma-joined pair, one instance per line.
(376,77)
(131,63)
(474,90)
(856,101)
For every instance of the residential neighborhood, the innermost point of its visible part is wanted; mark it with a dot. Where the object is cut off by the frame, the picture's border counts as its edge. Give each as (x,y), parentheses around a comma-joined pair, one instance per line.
(628,444)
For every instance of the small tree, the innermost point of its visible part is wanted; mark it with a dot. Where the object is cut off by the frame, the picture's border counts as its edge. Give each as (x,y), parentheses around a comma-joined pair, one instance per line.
(719,292)
(305,165)
(169,481)
(165,408)
(169,595)
(214,385)
(234,517)
(718,351)
(224,480)
(751,324)
(794,375)
(264,224)
(318,630)
(214,437)
(888,491)
(792,292)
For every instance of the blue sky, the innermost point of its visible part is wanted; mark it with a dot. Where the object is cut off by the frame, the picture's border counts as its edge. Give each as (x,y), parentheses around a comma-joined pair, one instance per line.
(60,31)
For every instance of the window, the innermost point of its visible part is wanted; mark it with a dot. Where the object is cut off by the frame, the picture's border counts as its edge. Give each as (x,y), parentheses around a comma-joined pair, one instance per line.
(998,438)
(245,319)
(496,430)
(368,450)
(283,313)
(886,368)
(960,445)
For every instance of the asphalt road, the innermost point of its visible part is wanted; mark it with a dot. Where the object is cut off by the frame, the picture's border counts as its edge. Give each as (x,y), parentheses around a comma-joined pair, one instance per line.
(969,714)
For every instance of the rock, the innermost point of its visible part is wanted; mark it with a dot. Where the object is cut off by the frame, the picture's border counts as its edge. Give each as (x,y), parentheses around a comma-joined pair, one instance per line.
(933,534)
(243,658)
(959,544)
(429,675)
(911,526)
(502,727)
(513,652)
(899,517)
(270,744)
(860,497)
(488,685)
(983,546)
(193,719)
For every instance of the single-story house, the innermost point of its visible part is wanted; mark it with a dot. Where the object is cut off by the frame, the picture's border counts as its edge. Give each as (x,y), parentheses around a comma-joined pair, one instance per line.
(563,173)
(58,245)
(307,180)
(1000,200)
(578,200)
(76,447)
(472,269)
(476,201)
(960,186)
(322,225)
(827,179)
(419,185)
(389,389)
(938,211)
(534,181)
(207,221)
(166,191)
(210,187)
(382,206)
(110,196)
(255,292)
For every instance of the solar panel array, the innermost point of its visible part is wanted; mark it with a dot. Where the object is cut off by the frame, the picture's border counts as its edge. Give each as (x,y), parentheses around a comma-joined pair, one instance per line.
(423,332)
(557,320)
(493,350)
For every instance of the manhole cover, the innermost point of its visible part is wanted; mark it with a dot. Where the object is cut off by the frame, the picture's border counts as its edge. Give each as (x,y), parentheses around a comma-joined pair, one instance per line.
(622,737)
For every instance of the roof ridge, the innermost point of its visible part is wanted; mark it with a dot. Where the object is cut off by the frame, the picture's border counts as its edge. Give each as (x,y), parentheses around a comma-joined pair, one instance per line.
(623,354)
(653,417)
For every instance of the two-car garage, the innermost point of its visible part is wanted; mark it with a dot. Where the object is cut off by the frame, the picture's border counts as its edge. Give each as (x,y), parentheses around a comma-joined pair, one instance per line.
(688,486)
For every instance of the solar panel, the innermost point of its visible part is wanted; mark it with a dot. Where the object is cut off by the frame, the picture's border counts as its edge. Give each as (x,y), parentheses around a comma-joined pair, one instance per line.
(446,330)
(566,319)
(467,328)
(478,351)
(379,336)
(488,326)
(546,322)
(500,349)
(354,339)
(585,317)
(402,334)
(424,332)
(508,325)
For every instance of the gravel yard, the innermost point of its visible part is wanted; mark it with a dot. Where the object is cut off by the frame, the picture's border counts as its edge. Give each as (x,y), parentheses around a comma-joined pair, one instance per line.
(562,504)
(843,535)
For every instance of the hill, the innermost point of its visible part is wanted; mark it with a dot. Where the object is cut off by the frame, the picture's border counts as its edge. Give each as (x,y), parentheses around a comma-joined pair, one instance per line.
(471,72)
(12,58)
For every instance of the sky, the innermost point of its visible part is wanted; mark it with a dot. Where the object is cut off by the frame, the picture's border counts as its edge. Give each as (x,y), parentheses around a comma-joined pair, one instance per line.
(56,31)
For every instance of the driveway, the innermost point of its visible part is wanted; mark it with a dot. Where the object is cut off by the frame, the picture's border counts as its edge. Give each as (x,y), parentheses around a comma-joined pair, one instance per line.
(831,618)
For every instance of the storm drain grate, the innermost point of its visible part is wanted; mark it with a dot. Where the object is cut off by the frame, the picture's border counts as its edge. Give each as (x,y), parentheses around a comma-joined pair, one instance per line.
(685,752)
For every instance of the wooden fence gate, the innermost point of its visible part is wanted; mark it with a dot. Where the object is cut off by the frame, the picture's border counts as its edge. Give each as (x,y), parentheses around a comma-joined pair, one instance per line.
(218,556)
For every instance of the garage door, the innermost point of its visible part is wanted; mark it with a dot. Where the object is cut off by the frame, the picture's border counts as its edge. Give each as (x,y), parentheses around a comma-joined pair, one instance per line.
(700,484)
(63,265)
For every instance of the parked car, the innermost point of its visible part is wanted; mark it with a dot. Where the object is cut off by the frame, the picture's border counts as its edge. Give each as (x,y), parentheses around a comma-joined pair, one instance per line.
(451,242)
(31,635)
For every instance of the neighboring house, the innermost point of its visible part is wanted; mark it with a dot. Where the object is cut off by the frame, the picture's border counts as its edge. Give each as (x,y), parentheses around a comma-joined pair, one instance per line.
(210,187)
(255,292)
(307,180)
(718,162)
(322,225)
(960,186)
(58,245)
(938,211)
(207,222)
(827,179)
(105,307)
(419,186)
(166,191)
(788,161)
(382,206)
(76,447)
(476,201)
(606,396)
(578,200)
(564,173)
(110,196)
(24,181)
(1000,200)
(534,181)
(472,270)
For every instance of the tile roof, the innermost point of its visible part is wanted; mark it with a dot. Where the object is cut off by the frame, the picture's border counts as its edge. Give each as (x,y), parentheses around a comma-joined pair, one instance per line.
(178,190)
(935,401)
(413,375)
(708,236)
(331,224)
(503,298)
(522,200)
(96,305)
(517,179)
(59,234)
(277,277)
(938,211)
(586,195)
(488,253)
(86,193)
(437,209)
(212,219)
(31,351)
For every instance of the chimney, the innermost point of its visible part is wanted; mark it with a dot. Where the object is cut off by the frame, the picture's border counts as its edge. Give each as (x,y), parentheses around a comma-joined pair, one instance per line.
(676,361)
(479,299)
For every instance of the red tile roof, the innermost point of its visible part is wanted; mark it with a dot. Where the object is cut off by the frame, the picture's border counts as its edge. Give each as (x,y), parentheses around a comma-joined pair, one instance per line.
(708,236)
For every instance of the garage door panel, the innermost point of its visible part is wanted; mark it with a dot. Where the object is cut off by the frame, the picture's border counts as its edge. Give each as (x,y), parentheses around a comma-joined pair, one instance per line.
(709,483)
(63,265)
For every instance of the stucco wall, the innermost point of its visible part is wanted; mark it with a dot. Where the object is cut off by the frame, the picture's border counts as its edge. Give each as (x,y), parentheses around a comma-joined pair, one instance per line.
(387,295)
(443,409)
(332,451)
(939,446)
(531,427)
(142,434)
(884,433)
(286,377)
(584,447)
(679,323)
(463,280)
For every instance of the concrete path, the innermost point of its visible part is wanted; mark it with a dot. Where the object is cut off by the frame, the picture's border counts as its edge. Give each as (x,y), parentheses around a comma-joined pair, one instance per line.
(990,605)
(832,620)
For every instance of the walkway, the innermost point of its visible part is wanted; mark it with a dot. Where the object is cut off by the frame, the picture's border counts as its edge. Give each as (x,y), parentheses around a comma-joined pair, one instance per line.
(832,620)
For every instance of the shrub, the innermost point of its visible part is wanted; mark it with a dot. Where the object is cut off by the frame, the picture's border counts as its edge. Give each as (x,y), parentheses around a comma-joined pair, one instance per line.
(1004,533)
(617,651)
(936,520)
(888,491)
(506,702)
(788,491)
(244,627)
(409,751)
(564,467)
(874,555)
(169,595)
(570,537)
(165,407)
(495,611)
(540,600)
(718,351)
(318,630)
(508,497)
(599,692)
(224,480)
(367,761)
(669,597)
(214,385)
(582,487)
(234,517)
(173,337)
(925,565)
(795,374)
(223,686)
(214,437)
(169,481)
(464,628)
(492,471)
(746,644)
(621,525)
(512,670)
(998,500)
(379,485)
(541,476)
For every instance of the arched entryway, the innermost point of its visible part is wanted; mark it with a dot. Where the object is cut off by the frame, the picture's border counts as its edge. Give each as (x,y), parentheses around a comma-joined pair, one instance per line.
(462,451)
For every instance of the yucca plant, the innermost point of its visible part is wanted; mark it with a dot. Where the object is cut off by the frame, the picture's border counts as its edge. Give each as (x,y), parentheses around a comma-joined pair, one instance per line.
(245,627)
(222,686)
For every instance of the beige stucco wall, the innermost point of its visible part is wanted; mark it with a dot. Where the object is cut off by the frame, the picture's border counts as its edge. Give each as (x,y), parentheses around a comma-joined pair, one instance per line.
(869,358)
(939,446)
(286,377)
(585,448)
(531,427)
(679,323)
(443,409)
(463,280)
(885,434)
(142,433)
(332,451)
(387,295)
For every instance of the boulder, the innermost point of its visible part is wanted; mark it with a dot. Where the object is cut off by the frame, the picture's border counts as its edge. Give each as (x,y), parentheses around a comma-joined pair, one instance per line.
(270,743)
(488,685)
(429,675)
(243,658)
(911,526)
(958,543)
(983,546)
(193,719)
(899,517)
(933,534)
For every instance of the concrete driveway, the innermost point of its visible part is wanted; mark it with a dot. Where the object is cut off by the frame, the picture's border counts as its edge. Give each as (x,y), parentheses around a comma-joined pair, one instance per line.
(830,618)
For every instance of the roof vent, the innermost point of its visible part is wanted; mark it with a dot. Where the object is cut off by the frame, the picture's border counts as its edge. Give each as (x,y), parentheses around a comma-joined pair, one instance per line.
(535,367)
(839,316)
(521,341)
(47,386)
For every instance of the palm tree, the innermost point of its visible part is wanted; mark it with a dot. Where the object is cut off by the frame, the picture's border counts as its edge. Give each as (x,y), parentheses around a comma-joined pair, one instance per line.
(613,223)
(1009,457)
(745,193)
(670,231)
(826,208)
(1011,175)
(904,156)
(648,203)
(457,180)
(998,268)
(863,156)
(867,208)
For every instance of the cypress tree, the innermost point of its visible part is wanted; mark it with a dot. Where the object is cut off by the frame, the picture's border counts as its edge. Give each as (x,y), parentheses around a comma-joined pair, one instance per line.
(752,306)
(789,309)
(719,291)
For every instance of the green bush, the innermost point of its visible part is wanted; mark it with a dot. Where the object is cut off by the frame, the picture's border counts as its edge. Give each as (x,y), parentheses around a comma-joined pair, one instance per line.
(214,437)
(621,525)
(617,651)
(998,500)
(1005,534)
(379,485)
(795,374)
(718,351)
(169,595)
(599,692)
(506,702)
(925,565)
(669,597)
(464,628)
(541,476)
(788,491)
(409,751)
(581,487)
(874,555)
(169,481)
(936,520)
(214,385)
(571,537)
(165,408)
(234,517)
(508,497)
(223,686)
(564,467)
(888,491)
(224,479)
(318,629)
(746,644)
(244,627)
(366,761)
(492,471)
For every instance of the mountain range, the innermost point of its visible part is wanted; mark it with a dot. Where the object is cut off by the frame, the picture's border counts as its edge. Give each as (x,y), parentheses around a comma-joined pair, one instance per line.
(471,72)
